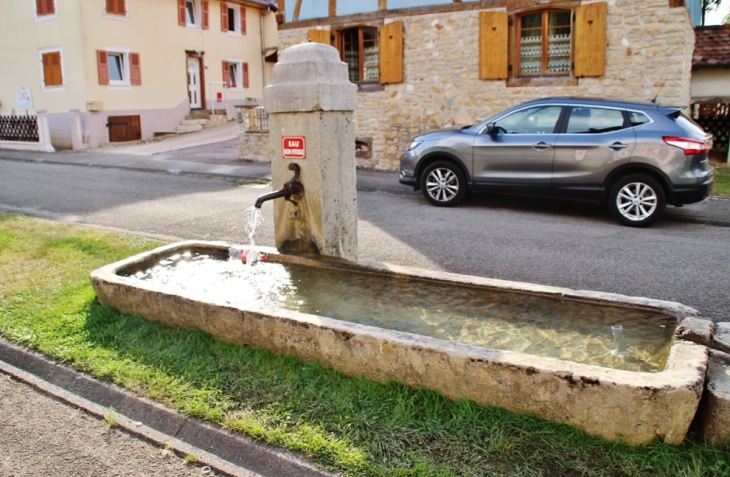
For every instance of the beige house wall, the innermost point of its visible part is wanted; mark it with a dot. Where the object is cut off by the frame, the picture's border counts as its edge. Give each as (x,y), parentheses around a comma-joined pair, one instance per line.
(649,53)
(711,84)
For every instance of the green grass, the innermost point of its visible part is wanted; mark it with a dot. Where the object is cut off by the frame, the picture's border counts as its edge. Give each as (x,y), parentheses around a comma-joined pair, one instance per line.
(722,180)
(350,425)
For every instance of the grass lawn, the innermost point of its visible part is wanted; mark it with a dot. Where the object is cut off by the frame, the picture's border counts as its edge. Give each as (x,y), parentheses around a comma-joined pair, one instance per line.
(722,180)
(350,425)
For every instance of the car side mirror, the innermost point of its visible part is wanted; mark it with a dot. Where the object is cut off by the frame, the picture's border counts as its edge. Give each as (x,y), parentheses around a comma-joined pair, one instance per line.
(491,129)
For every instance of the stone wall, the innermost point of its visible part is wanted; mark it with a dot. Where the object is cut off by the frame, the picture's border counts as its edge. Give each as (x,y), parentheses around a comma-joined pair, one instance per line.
(253,145)
(649,52)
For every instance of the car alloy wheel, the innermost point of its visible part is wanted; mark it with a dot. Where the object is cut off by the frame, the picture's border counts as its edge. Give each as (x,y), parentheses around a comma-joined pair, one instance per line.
(443,184)
(637,200)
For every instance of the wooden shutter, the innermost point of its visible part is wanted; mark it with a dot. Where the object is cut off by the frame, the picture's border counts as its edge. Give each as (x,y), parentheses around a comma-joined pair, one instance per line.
(243,20)
(102,64)
(52,69)
(205,7)
(45,7)
(245,75)
(320,36)
(391,53)
(224,16)
(181,13)
(135,69)
(121,7)
(590,40)
(226,74)
(493,53)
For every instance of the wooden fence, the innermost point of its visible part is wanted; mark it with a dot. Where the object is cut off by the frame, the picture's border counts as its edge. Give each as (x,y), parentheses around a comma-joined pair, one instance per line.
(715,119)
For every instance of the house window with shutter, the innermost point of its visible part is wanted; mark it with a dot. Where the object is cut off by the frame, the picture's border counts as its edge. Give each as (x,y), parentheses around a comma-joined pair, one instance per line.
(235,74)
(119,68)
(233,19)
(115,7)
(543,47)
(374,55)
(45,8)
(193,13)
(359,48)
(51,68)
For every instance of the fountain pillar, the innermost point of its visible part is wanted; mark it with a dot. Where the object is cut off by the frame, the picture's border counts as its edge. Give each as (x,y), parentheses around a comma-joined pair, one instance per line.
(310,102)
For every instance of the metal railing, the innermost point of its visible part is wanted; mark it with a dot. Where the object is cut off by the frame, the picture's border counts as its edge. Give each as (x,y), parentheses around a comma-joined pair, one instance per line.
(19,128)
(258,119)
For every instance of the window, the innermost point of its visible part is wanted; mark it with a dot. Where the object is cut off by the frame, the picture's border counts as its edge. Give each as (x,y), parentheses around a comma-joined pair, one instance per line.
(45,7)
(193,13)
(233,18)
(544,43)
(118,68)
(535,120)
(543,47)
(52,70)
(594,120)
(637,118)
(116,7)
(235,74)
(373,55)
(360,50)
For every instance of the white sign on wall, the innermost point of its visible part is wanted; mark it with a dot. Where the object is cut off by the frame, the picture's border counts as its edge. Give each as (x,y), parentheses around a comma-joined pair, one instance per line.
(24,99)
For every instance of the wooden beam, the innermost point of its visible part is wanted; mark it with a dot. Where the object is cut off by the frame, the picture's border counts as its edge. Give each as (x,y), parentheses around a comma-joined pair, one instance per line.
(297,9)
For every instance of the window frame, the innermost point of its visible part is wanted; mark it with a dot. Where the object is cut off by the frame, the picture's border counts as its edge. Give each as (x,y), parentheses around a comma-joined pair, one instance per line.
(240,69)
(544,43)
(130,68)
(45,13)
(625,121)
(361,53)
(197,20)
(49,51)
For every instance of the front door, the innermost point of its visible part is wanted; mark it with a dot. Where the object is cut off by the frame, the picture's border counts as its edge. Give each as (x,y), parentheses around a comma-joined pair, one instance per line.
(194,82)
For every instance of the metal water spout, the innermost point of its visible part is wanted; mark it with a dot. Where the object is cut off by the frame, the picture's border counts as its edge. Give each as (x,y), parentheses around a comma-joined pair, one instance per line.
(291,188)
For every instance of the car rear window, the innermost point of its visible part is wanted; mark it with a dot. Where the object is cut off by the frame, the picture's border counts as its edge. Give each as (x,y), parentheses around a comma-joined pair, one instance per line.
(686,123)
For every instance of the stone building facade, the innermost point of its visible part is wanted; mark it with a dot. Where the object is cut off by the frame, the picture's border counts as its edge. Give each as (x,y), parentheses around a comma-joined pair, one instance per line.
(448,79)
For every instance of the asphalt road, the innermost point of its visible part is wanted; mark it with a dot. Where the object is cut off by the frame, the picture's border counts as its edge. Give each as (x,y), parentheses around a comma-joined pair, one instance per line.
(549,242)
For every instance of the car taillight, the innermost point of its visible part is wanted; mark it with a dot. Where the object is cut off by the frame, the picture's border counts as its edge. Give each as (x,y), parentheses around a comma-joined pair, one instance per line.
(689,146)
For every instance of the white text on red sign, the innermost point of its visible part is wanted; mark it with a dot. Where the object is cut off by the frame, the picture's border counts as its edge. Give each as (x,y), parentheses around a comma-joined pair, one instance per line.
(293,147)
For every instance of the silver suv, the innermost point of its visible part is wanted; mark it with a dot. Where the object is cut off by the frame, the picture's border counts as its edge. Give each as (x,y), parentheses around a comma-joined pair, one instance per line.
(638,157)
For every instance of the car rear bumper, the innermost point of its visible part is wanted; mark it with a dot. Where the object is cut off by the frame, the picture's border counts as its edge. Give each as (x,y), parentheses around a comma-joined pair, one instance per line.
(690,194)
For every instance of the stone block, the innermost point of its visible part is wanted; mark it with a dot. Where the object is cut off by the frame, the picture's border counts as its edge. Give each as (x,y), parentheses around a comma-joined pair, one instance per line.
(721,338)
(716,401)
(695,329)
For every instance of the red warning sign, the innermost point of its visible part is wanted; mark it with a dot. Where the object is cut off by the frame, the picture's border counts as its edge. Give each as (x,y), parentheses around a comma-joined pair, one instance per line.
(293,147)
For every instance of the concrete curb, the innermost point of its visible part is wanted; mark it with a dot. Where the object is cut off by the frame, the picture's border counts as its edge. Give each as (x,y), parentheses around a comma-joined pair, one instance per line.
(223,451)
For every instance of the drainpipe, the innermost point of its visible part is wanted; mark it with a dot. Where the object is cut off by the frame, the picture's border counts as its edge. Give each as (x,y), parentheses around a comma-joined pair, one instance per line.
(272,7)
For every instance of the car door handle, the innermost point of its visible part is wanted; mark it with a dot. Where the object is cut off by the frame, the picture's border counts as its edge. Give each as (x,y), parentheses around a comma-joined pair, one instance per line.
(541,146)
(617,146)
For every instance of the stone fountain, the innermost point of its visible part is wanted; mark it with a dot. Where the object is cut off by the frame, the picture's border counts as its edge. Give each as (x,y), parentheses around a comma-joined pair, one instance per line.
(315,207)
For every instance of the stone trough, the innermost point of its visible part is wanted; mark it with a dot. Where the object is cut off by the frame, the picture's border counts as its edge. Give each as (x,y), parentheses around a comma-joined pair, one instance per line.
(636,407)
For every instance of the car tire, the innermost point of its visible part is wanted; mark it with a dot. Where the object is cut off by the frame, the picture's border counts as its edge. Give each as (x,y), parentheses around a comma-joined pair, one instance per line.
(637,200)
(443,184)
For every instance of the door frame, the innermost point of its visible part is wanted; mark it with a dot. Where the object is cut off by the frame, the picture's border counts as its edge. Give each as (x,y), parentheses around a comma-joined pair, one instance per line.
(199,56)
